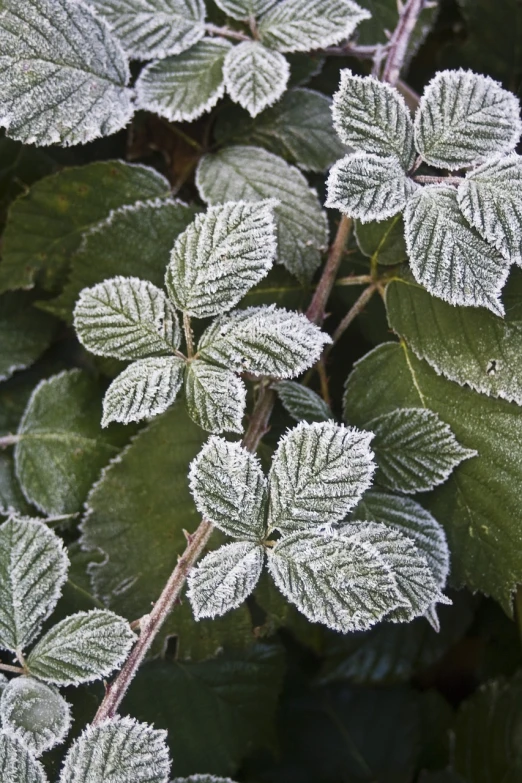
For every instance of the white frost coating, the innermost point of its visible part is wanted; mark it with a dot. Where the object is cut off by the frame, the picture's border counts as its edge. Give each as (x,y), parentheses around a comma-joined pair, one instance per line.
(368,187)
(126,318)
(415,450)
(449,257)
(225,578)
(341,583)
(491,200)
(464,117)
(263,341)
(63,76)
(154,28)
(303,25)
(82,648)
(33,569)
(220,256)
(118,751)
(184,87)
(371,116)
(319,472)
(243,10)
(17,763)
(229,489)
(144,389)
(35,714)
(255,77)
(216,397)
(302,403)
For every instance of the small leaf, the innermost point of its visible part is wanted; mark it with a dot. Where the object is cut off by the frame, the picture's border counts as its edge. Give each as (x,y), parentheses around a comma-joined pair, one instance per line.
(17,763)
(33,569)
(302,403)
(84,647)
(215,397)
(303,25)
(255,77)
(126,318)
(371,116)
(25,333)
(63,76)
(263,341)
(225,578)
(464,117)
(117,751)
(449,257)
(382,241)
(229,489)
(35,714)
(184,87)
(220,256)
(144,389)
(319,489)
(243,10)
(368,187)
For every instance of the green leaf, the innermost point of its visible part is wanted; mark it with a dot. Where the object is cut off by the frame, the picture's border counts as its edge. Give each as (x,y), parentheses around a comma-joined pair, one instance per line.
(255,77)
(25,333)
(17,763)
(215,397)
(242,10)
(45,226)
(302,403)
(11,496)
(35,714)
(251,173)
(383,240)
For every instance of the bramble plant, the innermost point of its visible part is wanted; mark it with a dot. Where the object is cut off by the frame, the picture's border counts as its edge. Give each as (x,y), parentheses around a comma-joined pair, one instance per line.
(243,510)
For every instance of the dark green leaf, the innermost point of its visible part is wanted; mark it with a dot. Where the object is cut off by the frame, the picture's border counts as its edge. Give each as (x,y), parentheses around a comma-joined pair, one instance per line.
(383,240)
(25,333)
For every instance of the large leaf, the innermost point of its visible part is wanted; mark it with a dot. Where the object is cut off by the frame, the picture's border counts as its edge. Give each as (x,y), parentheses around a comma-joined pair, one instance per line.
(63,75)
(215,397)
(17,763)
(25,333)
(255,77)
(302,403)
(35,714)
(241,172)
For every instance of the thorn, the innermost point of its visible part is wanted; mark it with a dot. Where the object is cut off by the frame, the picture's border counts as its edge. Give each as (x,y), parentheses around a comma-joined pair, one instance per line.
(188,536)
(400,7)
(387,34)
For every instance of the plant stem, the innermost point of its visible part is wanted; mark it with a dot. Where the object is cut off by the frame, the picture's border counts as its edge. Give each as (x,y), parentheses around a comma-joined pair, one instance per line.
(316,311)
(189,337)
(398,45)
(428,180)
(8,440)
(354,311)
(5,667)
(354,280)
(258,424)
(354,50)
(227,32)
(323,380)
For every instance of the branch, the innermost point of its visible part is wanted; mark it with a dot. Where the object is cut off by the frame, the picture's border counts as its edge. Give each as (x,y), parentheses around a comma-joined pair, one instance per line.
(428,180)
(316,311)
(353,312)
(398,45)
(227,32)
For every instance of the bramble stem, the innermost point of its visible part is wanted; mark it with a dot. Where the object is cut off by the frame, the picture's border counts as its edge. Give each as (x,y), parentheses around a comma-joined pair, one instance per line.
(398,45)
(316,311)
(8,440)
(227,32)
(354,311)
(5,667)
(518,609)
(189,337)
(423,179)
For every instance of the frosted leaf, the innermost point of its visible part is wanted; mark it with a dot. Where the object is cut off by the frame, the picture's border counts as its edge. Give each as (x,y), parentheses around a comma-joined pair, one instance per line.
(215,397)
(464,117)
(144,389)
(118,751)
(225,578)
(243,10)
(63,76)
(490,199)
(302,403)
(255,77)
(371,116)
(33,569)
(251,173)
(449,257)
(84,647)
(368,187)
(154,28)
(341,583)
(303,25)
(35,714)
(17,763)
(319,472)
(184,87)
(220,256)
(229,489)
(126,318)
(415,450)
(263,341)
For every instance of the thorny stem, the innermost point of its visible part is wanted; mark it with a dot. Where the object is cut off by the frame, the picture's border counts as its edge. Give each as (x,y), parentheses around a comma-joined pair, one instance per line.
(189,337)
(428,180)
(355,50)
(316,311)
(353,312)
(227,32)
(398,45)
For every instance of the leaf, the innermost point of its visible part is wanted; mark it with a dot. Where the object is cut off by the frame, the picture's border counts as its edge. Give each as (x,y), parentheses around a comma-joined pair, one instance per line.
(25,333)
(115,751)
(382,241)
(303,25)
(321,489)
(371,116)
(339,582)
(449,257)
(242,10)
(63,76)
(368,187)
(464,117)
(35,714)
(215,397)
(144,389)
(229,489)
(33,569)
(255,77)
(184,87)
(154,28)
(263,341)
(46,225)
(17,763)
(302,403)
(220,256)
(126,318)
(241,172)
(489,199)
(225,578)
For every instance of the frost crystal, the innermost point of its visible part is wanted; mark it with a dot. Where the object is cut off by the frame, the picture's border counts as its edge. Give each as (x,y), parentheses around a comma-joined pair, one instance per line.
(35,714)
(243,10)
(302,403)
(17,763)
(255,77)
(215,397)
